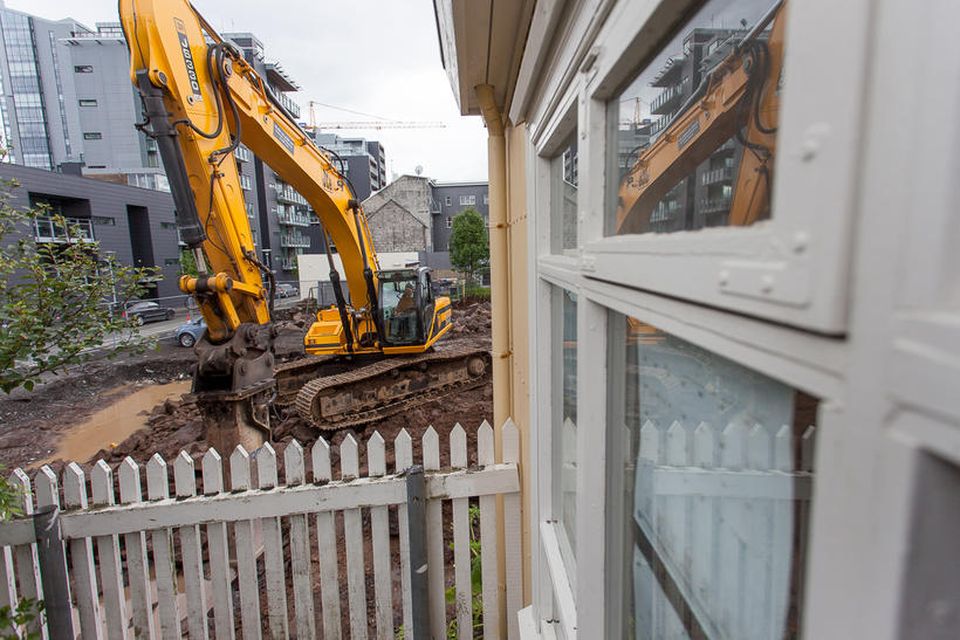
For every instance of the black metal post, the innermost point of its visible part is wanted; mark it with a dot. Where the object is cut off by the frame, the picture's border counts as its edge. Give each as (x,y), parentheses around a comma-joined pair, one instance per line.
(417,527)
(53,573)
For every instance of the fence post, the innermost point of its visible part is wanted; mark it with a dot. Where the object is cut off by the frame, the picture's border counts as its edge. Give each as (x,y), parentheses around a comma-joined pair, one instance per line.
(53,573)
(417,519)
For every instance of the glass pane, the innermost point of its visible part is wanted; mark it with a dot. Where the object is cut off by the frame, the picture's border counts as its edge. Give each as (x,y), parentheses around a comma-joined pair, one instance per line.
(563,199)
(565,418)
(710,478)
(692,139)
(399,304)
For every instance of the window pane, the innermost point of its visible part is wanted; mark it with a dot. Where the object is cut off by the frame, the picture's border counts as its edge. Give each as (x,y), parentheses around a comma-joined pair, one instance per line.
(710,479)
(693,137)
(563,200)
(565,418)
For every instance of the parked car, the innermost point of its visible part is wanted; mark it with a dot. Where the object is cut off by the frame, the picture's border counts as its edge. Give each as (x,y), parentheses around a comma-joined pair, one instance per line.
(147,311)
(287,290)
(189,332)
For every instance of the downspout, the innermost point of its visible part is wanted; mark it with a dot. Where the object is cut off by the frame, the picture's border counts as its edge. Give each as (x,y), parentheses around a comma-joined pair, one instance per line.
(499,257)
(499,298)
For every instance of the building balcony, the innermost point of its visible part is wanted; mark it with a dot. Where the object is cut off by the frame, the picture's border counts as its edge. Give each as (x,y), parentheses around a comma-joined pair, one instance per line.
(710,206)
(289,195)
(48,229)
(668,101)
(293,218)
(716,176)
(288,264)
(294,240)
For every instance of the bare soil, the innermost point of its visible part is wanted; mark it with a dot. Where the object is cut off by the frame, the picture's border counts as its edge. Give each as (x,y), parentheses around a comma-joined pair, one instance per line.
(33,426)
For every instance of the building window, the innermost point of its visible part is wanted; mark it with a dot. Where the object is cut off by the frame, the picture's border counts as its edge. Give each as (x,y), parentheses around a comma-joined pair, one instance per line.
(92,135)
(168,225)
(104,221)
(449,222)
(83,68)
(719,180)
(468,200)
(486,198)
(448,201)
(563,200)
(245,182)
(88,102)
(709,476)
(564,421)
(171,262)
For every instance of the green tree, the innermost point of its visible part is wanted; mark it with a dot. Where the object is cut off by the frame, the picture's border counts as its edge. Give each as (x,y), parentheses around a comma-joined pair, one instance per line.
(469,244)
(58,300)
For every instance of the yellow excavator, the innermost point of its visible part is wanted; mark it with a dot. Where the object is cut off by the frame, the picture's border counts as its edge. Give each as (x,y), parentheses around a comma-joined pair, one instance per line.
(201,100)
(738,99)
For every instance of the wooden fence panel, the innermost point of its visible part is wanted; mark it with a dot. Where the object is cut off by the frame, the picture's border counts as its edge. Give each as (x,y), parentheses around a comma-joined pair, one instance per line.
(353,544)
(490,558)
(158,488)
(300,547)
(327,547)
(273,561)
(403,460)
(108,551)
(185,484)
(162,601)
(461,538)
(246,551)
(380,543)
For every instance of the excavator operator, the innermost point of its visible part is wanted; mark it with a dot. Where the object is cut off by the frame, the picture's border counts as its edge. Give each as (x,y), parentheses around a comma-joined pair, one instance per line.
(405,315)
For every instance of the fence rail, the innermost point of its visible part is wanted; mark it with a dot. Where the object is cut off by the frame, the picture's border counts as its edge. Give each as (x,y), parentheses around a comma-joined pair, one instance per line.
(155,563)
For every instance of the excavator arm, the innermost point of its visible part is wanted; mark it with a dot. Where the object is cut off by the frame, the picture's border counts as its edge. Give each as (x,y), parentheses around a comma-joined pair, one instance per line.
(201,99)
(738,98)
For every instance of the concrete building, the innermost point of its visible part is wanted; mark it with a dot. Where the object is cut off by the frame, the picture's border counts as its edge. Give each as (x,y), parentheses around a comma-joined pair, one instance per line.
(399,215)
(137,225)
(40,118)
(365,163)
(449,200)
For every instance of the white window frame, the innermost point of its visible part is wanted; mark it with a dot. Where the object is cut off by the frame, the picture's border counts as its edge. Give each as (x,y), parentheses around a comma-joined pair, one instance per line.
(615,273)
(794,267)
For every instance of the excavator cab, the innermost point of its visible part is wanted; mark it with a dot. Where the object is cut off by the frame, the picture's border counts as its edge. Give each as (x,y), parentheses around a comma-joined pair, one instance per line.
(407,304)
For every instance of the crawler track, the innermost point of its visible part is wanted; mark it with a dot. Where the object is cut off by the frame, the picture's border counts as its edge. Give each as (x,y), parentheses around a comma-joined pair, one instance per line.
(361,395)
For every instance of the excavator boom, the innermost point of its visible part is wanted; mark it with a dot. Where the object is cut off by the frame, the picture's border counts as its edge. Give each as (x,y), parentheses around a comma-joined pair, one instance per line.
(201,100)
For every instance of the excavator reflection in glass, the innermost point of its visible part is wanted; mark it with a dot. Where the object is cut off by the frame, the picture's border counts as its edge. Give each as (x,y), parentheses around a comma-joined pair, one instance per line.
(738,99)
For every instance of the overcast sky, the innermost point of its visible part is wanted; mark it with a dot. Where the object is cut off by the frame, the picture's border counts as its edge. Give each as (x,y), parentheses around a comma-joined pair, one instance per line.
(377,57)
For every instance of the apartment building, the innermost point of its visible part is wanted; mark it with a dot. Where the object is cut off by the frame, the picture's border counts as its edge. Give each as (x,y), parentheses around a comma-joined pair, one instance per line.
(364,161)
(136,225)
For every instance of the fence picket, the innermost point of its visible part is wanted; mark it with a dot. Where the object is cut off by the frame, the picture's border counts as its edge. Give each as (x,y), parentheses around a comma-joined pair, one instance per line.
(273,560)
(403,460)
(353,543)
(705,516)
(295,475)
(461,537)
(185,484)
(380,535)
(731,532)
(512,534)
(490,558)
(218,550)
(782,529)
(8,584)
(759,531)
(108,552)
(327,547)
(245,550)
(164,562)
(25,556)
(47,492)
(647,514)
(135,544)
(435,582)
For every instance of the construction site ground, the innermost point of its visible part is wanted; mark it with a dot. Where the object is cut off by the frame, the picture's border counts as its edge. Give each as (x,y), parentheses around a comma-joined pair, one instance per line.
(132,406)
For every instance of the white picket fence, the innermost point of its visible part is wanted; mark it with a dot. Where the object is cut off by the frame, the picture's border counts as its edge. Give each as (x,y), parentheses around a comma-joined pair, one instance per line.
(155,566)
(723,513)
